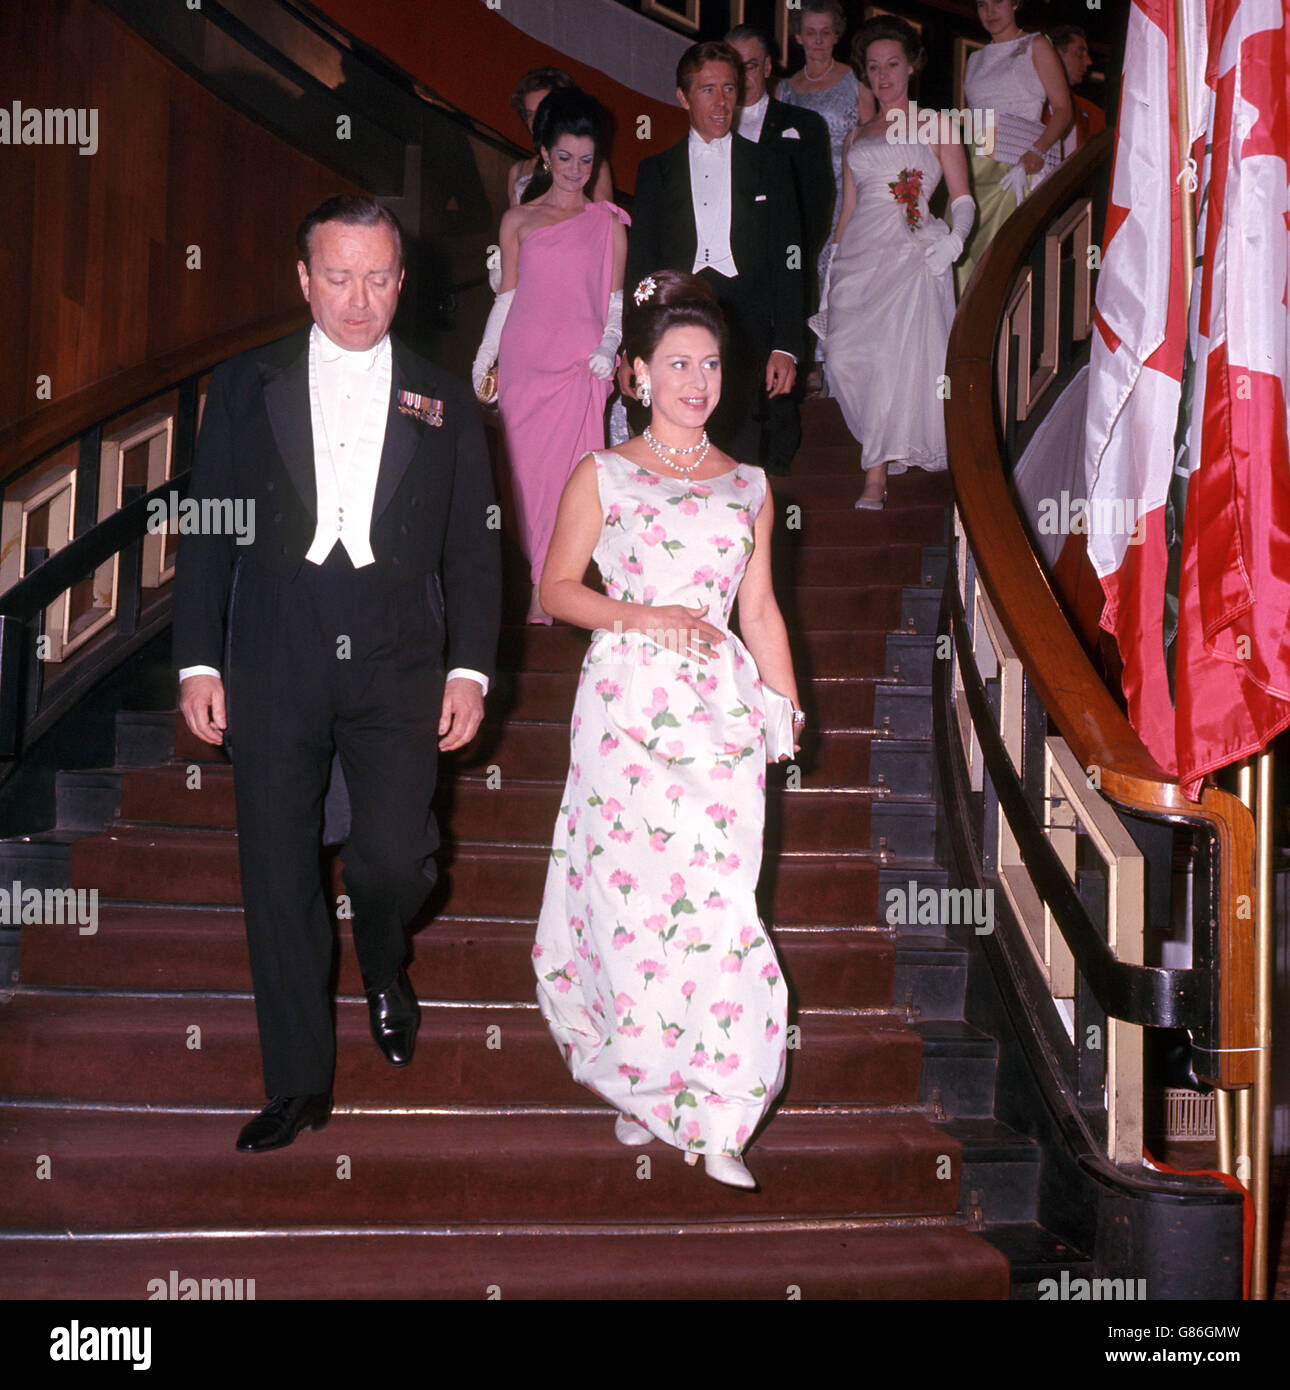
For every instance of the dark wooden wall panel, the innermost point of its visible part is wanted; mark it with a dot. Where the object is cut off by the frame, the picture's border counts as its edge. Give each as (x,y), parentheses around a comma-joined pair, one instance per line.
(93,261)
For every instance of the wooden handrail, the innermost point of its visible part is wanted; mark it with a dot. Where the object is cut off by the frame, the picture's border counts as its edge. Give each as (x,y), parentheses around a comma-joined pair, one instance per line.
(1055,663)
(62,421)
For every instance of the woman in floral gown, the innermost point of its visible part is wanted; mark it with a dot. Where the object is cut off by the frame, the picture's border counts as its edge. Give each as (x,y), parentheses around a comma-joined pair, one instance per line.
(655,973)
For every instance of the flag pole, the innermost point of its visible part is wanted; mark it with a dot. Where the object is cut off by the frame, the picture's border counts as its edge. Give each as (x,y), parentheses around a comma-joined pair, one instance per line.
(1263,969)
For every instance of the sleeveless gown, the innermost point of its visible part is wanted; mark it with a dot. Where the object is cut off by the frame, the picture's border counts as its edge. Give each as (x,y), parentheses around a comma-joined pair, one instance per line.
(654,972)
(1000,77)
(889,316)
(552,407)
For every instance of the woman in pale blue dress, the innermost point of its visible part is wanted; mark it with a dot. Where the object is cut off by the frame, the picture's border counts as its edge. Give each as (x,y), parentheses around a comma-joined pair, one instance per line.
(827,87)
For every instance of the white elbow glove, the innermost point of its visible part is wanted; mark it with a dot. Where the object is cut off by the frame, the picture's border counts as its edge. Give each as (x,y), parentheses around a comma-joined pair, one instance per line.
(1016,181)
(602,360)
(492,339)
(943,250)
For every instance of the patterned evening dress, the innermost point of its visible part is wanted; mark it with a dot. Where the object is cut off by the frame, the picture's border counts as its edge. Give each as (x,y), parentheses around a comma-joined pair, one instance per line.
(655,974)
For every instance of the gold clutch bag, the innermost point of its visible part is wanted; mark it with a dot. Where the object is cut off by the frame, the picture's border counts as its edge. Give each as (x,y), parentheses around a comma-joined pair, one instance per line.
(487,392)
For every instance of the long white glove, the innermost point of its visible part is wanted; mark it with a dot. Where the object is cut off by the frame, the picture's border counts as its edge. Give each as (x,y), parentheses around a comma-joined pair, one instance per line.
(818,323)
(942,248)
(1016,181)
(602,360)
(492,340)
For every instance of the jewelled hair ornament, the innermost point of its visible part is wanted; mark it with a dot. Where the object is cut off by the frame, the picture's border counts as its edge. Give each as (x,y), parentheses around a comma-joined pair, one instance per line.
(645,290)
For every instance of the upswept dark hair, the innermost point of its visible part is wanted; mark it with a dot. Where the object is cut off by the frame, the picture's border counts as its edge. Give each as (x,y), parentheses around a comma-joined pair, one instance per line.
(569,111)
(829,7)
(887,27)
(678,300)
(539,80)
(352,209)
(697,54)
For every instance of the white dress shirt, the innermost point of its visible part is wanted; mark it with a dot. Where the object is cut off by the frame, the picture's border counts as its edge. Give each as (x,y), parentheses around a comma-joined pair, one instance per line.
(349,403)
(710,189)
(751,118)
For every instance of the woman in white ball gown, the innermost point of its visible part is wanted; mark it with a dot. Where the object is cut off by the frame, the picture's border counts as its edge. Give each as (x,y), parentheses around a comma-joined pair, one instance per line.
(888,300)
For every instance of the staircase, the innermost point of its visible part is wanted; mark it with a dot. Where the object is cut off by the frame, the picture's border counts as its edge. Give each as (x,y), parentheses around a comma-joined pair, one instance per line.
(129,1057)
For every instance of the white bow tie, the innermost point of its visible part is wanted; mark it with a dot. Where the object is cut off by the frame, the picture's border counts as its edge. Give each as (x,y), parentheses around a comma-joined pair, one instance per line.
(361,361)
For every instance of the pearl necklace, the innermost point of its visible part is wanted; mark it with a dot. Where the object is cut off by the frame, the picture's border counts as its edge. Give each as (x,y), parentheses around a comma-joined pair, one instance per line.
(833,62)
(661,451)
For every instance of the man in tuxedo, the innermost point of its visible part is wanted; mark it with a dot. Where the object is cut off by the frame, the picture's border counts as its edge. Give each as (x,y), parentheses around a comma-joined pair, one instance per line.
(722,207)
(804,138)
(801,134)
(365,472)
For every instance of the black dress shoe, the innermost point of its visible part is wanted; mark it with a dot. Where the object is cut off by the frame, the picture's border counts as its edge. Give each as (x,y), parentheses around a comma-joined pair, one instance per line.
(396,1017)
(282,1119)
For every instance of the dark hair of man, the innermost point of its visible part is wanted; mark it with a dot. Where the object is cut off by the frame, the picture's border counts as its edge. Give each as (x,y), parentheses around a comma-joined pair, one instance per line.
(539,80)
(829,7)
(887,27)
(352,210)
(568,112)
(750,33)
(678,300)
(698,54)
(1062,34)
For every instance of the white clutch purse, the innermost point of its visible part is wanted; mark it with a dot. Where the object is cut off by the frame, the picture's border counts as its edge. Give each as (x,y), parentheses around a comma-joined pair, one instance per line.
(1014,135)
(779,724)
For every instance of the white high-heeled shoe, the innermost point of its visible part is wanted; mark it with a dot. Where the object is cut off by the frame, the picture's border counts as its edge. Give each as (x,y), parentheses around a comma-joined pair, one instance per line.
(631,1132)
(724,1168)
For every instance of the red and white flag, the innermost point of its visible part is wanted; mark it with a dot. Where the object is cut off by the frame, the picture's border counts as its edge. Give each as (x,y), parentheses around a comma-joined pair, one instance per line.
(1231,586)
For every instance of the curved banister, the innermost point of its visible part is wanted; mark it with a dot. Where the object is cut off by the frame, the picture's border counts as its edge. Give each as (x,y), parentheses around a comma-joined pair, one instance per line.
(30,439)
(1054,660)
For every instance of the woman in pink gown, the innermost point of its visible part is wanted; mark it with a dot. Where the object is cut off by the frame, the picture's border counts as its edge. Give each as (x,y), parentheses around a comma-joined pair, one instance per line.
(556,325)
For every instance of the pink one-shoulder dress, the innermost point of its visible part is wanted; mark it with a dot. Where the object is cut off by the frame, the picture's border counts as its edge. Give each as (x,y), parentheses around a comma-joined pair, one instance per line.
(552,406)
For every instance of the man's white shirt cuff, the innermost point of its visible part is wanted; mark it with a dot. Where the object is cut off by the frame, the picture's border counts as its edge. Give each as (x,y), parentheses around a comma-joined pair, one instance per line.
(469,675)
(456,671)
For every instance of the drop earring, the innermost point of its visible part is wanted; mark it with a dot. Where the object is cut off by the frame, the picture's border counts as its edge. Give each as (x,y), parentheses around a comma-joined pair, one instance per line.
(645,396)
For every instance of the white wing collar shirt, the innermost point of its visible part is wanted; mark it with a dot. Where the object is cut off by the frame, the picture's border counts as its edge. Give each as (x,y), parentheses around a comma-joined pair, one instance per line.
(752,118)
(710,191)
(349,401)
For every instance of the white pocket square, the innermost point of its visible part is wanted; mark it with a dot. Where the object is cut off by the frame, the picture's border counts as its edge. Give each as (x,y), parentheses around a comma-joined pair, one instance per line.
(760,198)
(790,134)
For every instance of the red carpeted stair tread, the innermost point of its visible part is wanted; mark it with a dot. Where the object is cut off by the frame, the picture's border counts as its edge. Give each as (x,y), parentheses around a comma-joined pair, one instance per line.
(119,1170)
(757,1262)
(173,1049)
(168,948)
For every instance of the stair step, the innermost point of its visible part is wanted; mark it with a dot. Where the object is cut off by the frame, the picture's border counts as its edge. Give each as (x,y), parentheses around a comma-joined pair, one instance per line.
(905,765)
(155,1171)
(906,824)
(755,1261)
(200,867)
(911,656)
(168,948)
(904,711)
(1035,1254)
(144,737)
(932,970)
(86,800)
(961,1062)
(136,1048)
(1000,1166)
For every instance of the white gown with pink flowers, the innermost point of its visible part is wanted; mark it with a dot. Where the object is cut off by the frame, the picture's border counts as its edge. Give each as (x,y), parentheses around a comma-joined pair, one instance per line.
(655,973)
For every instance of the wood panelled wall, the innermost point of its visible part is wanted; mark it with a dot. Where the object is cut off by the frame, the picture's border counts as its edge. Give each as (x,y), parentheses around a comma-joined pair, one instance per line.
(93,260)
